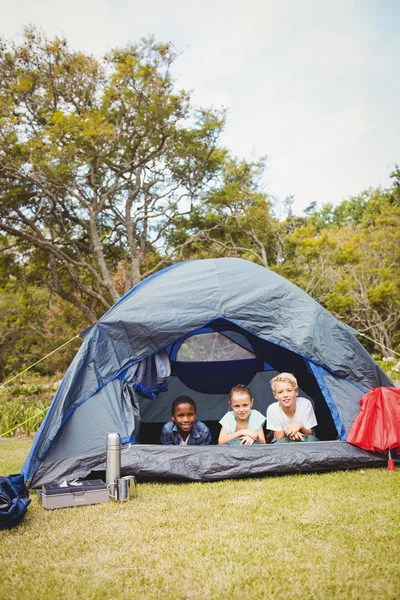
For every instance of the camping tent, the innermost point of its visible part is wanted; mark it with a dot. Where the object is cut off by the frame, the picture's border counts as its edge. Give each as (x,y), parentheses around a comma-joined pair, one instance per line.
(197,328)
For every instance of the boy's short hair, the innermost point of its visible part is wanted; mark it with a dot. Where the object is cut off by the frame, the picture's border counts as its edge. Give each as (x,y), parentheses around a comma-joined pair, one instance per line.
(182,400)
(284,377)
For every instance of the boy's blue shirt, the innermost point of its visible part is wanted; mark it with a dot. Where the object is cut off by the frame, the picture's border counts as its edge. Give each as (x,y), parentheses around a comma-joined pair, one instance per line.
(199,435)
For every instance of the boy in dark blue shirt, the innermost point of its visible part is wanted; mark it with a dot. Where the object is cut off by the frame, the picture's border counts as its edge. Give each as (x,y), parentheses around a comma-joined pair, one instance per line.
(184,428)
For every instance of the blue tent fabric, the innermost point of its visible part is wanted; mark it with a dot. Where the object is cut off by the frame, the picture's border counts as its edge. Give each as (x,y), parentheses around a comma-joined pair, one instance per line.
(14,500)
(319,373)
(217,377)
(286,328)
(149,376)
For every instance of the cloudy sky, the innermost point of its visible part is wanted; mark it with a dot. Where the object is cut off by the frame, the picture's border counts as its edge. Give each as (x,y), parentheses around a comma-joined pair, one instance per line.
(312,84)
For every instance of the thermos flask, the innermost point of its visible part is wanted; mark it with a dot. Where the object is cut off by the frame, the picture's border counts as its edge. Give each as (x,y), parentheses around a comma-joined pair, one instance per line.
(113,460)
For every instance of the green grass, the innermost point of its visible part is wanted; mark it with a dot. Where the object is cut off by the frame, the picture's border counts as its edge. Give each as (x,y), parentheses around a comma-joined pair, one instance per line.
(335,535)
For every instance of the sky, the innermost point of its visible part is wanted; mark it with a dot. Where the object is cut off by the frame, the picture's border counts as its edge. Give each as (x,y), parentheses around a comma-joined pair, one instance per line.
(314,85)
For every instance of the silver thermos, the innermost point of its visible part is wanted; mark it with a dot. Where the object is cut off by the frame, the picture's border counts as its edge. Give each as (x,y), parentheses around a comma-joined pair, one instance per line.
(113,459)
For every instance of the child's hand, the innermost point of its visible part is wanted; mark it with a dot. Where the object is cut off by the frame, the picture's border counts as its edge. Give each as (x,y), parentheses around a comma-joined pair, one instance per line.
(249,433)
(292,431)
(246,440)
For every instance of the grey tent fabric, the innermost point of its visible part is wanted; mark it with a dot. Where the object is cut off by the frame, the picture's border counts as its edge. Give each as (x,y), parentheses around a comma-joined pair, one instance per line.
(150,372)
(86,430)
(205,463)
(176,302)
(253,297)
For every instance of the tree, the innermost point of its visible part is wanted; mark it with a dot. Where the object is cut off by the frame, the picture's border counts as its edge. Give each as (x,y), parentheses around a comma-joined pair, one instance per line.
(395,191)
(351,264)
(97,158)
(33,321)
(236,220)
(356,210)
(364,283)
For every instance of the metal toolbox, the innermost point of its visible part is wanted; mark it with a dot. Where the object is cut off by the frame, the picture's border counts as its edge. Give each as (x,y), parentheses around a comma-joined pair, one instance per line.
(54,495)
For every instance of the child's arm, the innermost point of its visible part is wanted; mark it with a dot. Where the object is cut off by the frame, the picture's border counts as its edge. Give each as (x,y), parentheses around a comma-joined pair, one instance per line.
(294,429)
(225,437)
(279,435)
(255,436)
(166,435)
(274,423)
(205,437)
(261,436)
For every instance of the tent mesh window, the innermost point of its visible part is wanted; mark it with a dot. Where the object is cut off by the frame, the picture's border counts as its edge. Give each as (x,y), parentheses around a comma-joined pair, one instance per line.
(212,347)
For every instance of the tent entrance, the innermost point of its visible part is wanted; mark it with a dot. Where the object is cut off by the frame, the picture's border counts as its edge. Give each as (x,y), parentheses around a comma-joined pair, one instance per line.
(211,407)
(208,362)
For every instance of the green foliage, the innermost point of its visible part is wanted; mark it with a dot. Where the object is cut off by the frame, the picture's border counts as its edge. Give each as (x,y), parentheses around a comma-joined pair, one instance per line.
(34,325)
(339,303)
(391,366)
(395,191)
(349,212)
(26,400)
(96,158)
(235,220)
(348,258)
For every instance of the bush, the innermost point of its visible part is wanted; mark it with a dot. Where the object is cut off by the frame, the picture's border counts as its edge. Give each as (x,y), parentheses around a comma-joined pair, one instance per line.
(391,366)
(25,401)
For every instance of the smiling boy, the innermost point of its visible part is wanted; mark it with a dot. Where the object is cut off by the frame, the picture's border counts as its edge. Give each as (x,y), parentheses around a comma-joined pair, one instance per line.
(291,418)
(184,428)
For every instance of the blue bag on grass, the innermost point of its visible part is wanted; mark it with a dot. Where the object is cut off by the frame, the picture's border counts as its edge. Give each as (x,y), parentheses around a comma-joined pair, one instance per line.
(14,500)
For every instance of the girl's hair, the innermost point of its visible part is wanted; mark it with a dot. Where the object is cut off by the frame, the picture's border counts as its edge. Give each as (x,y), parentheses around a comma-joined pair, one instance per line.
(284,377)
(240,389)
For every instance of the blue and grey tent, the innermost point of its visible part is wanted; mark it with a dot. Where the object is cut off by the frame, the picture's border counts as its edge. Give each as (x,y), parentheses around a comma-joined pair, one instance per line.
(197,328)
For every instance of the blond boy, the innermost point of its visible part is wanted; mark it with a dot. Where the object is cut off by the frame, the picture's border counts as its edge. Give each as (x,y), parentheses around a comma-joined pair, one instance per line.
(291,418)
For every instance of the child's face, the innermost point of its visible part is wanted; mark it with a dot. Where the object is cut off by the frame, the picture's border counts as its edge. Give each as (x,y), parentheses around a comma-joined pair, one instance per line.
(241,405)
(184,417)
(285,393)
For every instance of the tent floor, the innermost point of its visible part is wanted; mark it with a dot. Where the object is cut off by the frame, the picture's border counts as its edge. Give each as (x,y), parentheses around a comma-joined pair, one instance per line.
(213,463)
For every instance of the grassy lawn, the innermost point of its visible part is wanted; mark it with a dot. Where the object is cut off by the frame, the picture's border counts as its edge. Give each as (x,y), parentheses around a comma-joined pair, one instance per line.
(327,536)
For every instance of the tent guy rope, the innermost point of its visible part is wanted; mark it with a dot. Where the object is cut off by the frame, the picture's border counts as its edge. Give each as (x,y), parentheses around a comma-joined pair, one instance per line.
(378,343)
(38,361)
(23,423)
(24,371)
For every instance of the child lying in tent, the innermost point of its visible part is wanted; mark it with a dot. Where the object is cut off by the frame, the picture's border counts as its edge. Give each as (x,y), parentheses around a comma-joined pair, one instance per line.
(184,428)
(242,424)
(291,419)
